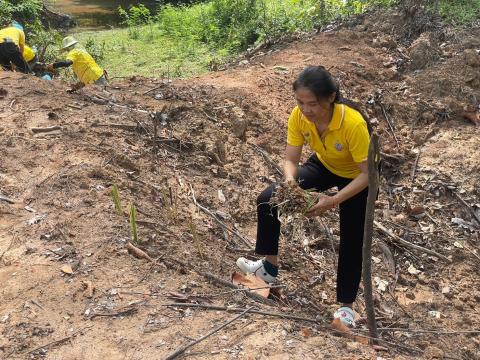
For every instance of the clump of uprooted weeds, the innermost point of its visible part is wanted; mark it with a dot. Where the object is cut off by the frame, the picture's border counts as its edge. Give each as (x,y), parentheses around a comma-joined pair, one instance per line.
(292,202)
(291,199)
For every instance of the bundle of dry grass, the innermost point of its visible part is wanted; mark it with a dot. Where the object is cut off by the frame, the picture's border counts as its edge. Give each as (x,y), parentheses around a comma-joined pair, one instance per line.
(291,199)
(292,202)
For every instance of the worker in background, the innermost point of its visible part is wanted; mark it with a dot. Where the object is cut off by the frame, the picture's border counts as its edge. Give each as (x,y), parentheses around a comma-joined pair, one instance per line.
(84,66)
(12,46)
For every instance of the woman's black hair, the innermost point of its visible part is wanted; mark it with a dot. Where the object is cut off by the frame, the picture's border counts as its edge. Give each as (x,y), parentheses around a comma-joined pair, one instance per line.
(322,84)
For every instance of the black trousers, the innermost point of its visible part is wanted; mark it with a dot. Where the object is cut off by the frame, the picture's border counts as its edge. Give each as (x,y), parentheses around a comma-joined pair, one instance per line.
(313,174)
(10,54)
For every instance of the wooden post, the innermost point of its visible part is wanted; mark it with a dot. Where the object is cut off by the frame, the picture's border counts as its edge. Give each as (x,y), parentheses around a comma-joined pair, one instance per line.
(373,182)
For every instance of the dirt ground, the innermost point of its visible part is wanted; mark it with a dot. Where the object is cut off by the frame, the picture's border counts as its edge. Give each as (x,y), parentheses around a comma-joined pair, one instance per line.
(69,289)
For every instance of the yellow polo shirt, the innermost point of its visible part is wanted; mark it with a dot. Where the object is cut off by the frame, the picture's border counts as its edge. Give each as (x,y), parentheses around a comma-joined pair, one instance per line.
(342,146)
(84,66)
(28,53)
(16,35)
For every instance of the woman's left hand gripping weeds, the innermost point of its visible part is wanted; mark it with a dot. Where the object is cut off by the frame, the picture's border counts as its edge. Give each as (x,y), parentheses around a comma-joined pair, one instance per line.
(324,203)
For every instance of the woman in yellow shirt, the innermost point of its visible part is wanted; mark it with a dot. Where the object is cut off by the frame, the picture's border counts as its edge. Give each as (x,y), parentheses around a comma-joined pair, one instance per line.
(339,137)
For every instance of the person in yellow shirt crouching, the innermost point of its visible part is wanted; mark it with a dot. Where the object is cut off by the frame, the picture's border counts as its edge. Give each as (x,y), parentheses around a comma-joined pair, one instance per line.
(12,43)
(84,66)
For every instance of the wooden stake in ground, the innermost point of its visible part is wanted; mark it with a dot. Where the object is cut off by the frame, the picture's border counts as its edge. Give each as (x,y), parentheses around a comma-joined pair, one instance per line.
(373,180)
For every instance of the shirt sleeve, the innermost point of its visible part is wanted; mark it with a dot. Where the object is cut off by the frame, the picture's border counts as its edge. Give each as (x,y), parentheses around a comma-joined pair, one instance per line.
(359,142)
(294,134)
(71,56)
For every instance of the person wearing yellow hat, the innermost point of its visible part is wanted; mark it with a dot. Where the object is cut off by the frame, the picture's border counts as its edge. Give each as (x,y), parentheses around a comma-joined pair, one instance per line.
(12,45)
(84,66)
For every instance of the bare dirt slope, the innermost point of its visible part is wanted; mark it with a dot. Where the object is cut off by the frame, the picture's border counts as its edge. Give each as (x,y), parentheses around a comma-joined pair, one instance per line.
(69,289)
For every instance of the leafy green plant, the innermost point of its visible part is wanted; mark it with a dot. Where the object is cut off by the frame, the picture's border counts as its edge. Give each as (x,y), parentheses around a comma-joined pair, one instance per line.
(116,199)
(134,17)
(460,12)
(133,223)
(27,11)
(45,41)
(96,49)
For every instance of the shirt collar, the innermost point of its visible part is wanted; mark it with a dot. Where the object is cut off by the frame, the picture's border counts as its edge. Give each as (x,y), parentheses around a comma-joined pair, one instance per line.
(337,117)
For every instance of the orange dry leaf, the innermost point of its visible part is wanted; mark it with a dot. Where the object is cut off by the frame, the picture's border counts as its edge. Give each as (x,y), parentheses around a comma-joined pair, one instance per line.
(344,330)
(252,282)
(306,332)
(473,116)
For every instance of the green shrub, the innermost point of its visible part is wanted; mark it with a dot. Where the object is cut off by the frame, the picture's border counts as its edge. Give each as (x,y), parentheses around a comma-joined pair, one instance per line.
(96,49)
(45,40)
(461,12)
(25,11)
(135,15)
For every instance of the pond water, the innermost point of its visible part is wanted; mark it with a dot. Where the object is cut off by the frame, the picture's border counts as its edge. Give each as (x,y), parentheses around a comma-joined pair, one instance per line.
(95,14)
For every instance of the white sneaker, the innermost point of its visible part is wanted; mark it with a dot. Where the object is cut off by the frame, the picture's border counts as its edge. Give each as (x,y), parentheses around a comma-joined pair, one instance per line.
(346,316)
(255,267)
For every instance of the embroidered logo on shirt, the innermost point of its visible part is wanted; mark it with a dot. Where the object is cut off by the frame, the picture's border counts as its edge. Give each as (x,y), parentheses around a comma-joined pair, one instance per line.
(338,146)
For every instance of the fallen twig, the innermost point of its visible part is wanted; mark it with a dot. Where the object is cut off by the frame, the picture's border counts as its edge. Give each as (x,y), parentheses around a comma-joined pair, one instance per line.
(414,169)
(240,290)
(189,345)
(130,127)
(397,157)
(155,88)
(268,159)
(282,316)
(232,309)
(6,199)
(226,227)
(431,331)
(37,130)
(225,283)
(129,311)
(330,237)
(405,243)
(137,252)
(469,208)
(56,342)
(390,125)
(74,106)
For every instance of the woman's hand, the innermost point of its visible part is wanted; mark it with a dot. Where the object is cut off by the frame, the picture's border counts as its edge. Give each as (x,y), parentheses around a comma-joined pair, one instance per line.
(324,203)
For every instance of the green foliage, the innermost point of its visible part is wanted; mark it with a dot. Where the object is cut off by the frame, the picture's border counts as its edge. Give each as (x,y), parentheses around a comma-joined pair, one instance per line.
(96,49)
(232,24)
(45,41)
(20,10)
(186,40)
(133,224)
(459,12)
(134,17)
(116,199)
